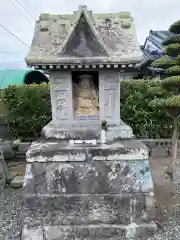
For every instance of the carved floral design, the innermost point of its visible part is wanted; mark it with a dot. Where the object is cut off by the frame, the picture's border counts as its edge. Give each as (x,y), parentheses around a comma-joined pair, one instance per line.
(58,33)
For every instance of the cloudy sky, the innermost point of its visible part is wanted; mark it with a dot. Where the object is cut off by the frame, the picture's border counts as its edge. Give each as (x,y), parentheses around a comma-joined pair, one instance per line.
(148,14)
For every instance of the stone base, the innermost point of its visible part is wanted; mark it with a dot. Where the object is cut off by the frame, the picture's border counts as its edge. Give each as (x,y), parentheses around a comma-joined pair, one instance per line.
(88,192)
(90,232)
(86,130)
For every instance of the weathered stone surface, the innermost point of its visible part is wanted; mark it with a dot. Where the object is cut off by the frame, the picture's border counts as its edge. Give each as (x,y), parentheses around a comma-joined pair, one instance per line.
(77,210)
(6,147)
(89,209)
(10,176)
(80,233)
(102,189)
(89,191)
(115,43)
(85,130)
(55,151)
(90,177)
(86,232)
(89,232)
(17,182)
(145,233)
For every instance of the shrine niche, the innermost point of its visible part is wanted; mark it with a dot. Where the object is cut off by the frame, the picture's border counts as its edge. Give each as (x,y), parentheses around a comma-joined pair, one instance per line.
(86,94)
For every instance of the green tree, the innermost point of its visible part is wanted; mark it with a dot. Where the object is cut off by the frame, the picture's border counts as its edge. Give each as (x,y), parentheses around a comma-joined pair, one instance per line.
(171,84)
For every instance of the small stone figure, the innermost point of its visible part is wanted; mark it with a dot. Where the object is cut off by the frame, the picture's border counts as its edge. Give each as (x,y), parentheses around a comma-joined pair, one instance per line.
(86,97)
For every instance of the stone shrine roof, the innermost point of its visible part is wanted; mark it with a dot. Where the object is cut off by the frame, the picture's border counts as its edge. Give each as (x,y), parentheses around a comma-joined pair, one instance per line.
(84,37)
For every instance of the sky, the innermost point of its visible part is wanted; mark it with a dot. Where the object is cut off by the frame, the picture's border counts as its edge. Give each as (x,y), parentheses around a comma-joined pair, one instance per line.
(148,15)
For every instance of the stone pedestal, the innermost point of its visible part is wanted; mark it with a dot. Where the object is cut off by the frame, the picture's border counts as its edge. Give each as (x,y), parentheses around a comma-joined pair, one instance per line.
(88,192)
(56,130)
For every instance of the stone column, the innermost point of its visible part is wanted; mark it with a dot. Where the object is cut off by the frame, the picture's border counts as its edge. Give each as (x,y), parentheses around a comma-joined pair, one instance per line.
(109,87)
(61,95)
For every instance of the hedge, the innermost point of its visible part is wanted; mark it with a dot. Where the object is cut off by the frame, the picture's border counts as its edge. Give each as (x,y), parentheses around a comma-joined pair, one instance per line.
(29,109)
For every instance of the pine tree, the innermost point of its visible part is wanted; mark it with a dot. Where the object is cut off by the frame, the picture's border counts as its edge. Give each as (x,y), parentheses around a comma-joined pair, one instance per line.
(170,62)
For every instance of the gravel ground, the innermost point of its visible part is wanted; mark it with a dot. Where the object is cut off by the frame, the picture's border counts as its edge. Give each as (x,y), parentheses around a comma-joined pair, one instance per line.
(171,229)
(10,218)
(10,214)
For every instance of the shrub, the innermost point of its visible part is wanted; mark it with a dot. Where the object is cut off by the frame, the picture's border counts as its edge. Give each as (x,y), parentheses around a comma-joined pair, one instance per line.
(171,40)
(28,109)
(175,27)
(173,50)
(163,63)
(135,111)
(174,70)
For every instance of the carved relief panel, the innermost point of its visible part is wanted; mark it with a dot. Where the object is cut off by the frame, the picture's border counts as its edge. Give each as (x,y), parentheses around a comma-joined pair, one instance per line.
(109,95)
(109,103)
(62,96)
(62,104)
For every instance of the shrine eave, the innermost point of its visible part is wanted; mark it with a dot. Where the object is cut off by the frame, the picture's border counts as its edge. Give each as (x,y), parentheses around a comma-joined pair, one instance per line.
(56,67)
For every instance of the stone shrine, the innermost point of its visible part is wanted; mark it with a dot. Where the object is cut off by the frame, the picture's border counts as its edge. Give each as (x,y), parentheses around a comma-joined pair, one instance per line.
(76,185)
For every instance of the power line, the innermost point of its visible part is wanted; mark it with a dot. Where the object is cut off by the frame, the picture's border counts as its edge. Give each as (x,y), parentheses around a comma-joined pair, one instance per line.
(25,7)
(12,53)
(14,35)
(21,11)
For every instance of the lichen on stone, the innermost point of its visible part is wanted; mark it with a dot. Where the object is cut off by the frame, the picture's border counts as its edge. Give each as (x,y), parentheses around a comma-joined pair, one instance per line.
(125,23)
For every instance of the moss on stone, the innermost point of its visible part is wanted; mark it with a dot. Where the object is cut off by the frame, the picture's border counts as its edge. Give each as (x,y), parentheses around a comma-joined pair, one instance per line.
(125,23)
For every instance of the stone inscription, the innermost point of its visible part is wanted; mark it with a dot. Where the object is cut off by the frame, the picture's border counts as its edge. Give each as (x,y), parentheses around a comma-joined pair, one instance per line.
(109,103)
(110,88)
(61,88)
(62,104)
(110,83)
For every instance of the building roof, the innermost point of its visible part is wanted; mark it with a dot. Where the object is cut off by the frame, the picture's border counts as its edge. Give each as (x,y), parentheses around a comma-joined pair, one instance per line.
(153,35)
(12,77)
(84,37)
(162,34)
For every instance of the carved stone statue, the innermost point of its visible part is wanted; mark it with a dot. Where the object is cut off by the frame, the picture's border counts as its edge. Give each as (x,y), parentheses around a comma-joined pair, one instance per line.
(86,97)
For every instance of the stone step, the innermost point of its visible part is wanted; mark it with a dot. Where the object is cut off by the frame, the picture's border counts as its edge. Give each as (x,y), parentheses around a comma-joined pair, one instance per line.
(88,232)
(64,152)
(17,182)
(87,209)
